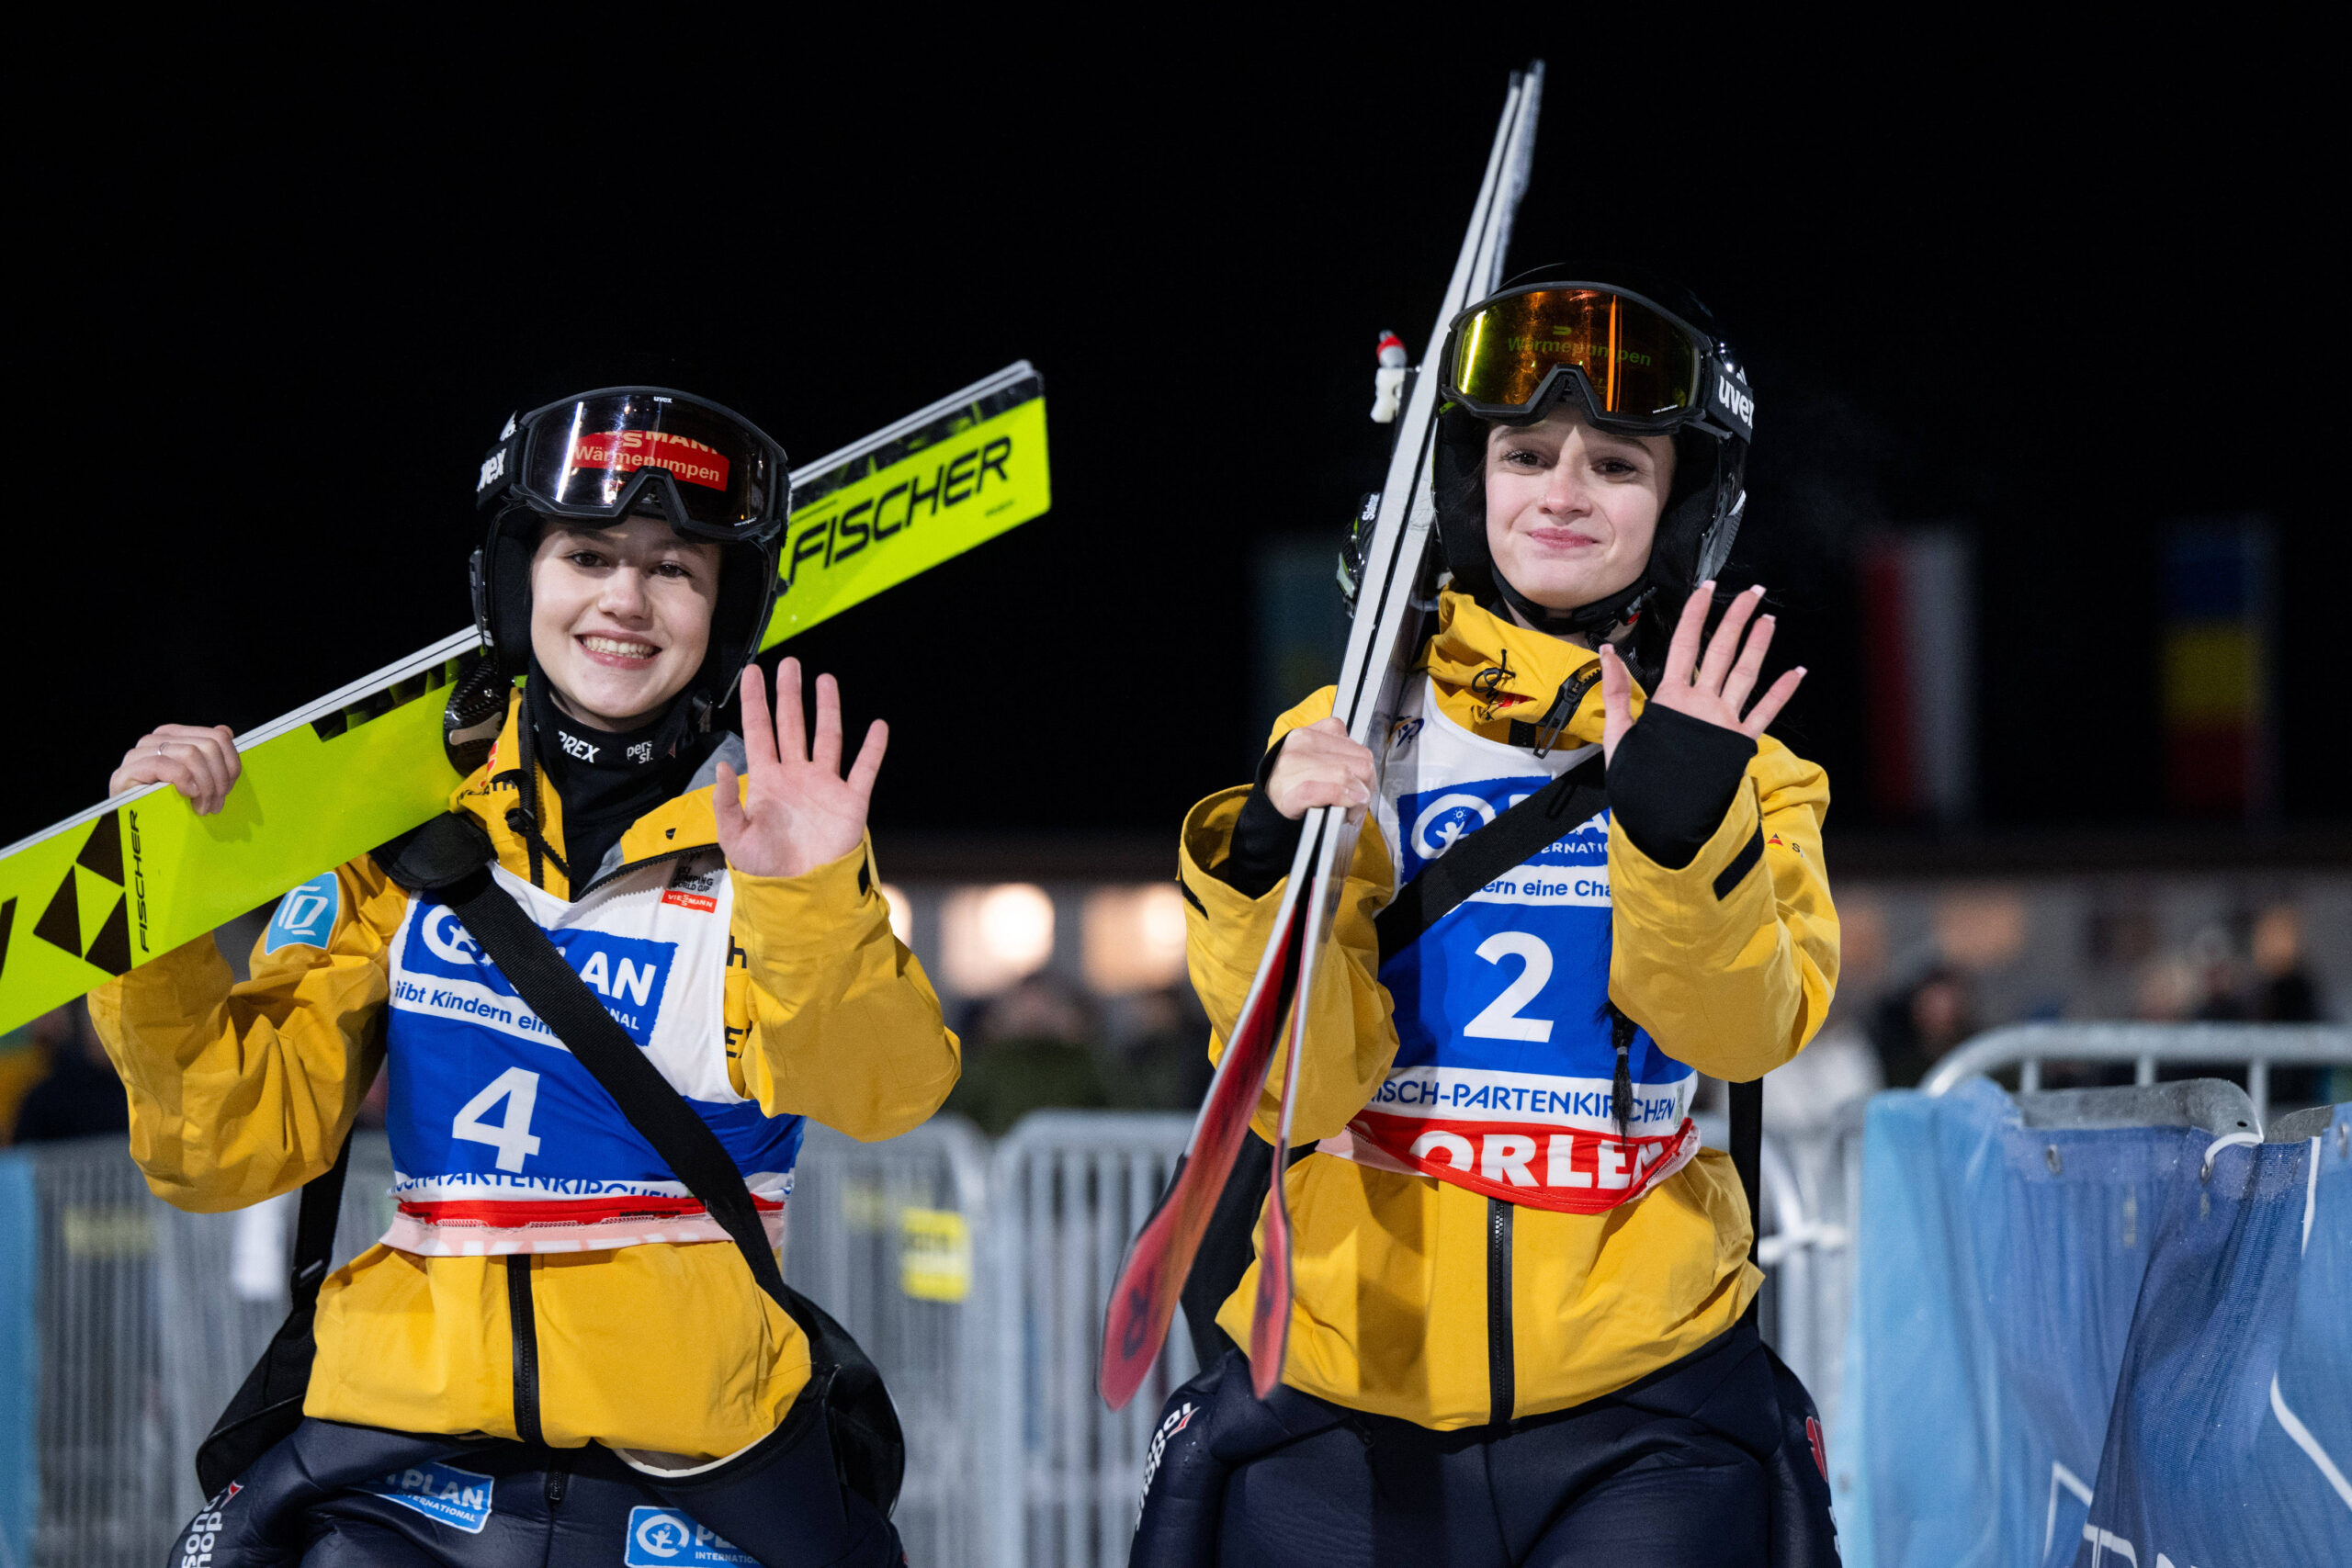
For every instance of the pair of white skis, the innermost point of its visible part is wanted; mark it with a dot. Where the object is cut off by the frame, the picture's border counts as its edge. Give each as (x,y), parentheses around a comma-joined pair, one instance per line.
(1392,608)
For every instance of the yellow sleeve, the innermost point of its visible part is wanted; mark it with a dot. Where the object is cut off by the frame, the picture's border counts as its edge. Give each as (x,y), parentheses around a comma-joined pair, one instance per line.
(1350,1038)
(836,1019)
(1730,961)
(241,1091)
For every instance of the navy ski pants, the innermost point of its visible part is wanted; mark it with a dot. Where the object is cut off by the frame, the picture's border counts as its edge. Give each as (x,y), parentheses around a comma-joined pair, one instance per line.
(339,1496)
(1672,1473)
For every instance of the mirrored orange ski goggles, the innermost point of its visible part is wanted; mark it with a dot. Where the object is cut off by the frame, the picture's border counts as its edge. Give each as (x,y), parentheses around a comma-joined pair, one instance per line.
(1633,366)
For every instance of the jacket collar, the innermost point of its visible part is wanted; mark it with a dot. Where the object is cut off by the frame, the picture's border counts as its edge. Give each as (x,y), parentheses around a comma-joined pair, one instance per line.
(492,794)
(1490,673)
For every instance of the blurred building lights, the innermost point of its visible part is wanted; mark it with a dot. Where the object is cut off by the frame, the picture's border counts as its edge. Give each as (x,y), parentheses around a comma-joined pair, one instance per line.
(1981,927)
(1134,938)
(989,937)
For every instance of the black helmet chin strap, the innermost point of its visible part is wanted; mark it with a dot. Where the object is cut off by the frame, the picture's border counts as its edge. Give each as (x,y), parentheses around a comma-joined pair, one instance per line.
(1601,618)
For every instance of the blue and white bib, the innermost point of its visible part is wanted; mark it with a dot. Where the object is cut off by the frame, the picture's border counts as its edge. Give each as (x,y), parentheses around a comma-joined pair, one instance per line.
(1505,1061)
(501,1142)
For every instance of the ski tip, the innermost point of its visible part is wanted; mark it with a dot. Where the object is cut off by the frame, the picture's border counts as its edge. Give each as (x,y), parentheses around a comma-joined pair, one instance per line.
(1134,1329)
(1116,1384)
(1269,1312)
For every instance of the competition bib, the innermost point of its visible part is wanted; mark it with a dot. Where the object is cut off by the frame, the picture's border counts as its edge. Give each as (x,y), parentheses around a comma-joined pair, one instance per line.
(502,1141)
(1503,1080)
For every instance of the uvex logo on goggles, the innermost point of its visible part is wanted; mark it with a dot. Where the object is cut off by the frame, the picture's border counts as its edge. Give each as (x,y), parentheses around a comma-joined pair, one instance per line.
(626,451)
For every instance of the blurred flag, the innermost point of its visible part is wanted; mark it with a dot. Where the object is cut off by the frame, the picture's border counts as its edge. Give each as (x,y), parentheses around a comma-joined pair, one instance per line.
(2217,666)
(1918,603)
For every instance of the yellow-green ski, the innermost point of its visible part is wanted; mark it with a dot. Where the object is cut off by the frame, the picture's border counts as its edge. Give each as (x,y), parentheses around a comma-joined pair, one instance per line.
(107,890)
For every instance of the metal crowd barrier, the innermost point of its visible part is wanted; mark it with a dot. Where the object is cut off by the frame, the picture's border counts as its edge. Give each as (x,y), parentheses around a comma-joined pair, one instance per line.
(889,1237)
(976,1278)
(1070,1188)
(1786,1240)
(102,1499)
(148,1319)
(2257,1047)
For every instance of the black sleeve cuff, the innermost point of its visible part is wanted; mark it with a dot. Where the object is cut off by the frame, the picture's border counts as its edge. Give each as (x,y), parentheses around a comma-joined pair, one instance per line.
(1265,840)
(1672,781)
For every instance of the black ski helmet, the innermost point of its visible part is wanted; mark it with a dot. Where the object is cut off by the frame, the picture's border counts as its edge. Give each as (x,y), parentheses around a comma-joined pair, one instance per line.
(621,451)
(1710,420)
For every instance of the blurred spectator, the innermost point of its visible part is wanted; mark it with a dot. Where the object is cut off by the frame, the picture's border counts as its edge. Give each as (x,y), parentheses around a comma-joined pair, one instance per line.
(2284,991)
(81,1098)
(1914,1026)
(2219,985)
(1029,1048)
(1164,1063)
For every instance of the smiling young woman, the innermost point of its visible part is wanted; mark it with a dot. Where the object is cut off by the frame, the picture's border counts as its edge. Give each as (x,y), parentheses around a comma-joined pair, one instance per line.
(553,1326)
(1520,1330)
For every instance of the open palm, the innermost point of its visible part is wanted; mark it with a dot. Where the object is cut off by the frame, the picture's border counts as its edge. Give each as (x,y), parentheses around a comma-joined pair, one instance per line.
(1714,688)
(798,811)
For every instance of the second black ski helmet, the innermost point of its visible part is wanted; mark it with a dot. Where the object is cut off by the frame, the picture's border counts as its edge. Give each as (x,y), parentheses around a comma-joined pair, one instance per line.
(621,451)
(1640,355)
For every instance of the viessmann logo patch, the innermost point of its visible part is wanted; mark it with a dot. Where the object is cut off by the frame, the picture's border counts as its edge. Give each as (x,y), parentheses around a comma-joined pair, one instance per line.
(626,451)
(694,889)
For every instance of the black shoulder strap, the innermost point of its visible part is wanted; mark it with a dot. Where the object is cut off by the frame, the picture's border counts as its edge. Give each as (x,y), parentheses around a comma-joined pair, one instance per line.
(1747,1116)
(314,1229)
(450,857)
(1558,809)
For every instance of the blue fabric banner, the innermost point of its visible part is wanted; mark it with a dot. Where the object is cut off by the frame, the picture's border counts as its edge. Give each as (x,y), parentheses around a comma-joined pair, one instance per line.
(19,1358)
(2063,1342)
(2232,1421)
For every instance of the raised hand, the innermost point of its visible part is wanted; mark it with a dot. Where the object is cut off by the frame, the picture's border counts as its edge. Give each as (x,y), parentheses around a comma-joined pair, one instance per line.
(200,763)
(798,812)
(1714,688)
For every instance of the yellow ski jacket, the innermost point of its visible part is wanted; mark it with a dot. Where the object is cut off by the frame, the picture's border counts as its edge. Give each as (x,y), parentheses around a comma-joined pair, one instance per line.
(241,1091)
(1390,1311)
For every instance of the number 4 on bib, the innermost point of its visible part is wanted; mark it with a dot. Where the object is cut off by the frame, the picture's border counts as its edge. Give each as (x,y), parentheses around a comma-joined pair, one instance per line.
(512,1138)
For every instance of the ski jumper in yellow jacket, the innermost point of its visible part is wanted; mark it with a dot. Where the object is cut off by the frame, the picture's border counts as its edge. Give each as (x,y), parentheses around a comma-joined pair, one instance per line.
(1626,1254)
(650,1336)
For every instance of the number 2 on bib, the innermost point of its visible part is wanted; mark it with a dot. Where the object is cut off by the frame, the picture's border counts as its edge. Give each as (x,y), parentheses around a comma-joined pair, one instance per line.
(519,1088)
(1502,1019)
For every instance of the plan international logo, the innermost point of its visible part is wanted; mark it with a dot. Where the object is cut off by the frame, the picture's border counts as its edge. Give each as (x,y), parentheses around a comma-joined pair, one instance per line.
(627,972)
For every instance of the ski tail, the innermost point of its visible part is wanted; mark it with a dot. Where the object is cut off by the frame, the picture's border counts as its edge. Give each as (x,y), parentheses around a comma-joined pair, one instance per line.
(1143,1301)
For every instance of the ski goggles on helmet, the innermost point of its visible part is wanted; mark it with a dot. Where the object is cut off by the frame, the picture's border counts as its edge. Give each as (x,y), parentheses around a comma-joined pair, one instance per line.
(604,455)
(1634,366)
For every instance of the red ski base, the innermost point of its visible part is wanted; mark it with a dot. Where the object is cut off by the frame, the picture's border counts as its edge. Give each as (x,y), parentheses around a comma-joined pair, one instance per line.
(1143,1302)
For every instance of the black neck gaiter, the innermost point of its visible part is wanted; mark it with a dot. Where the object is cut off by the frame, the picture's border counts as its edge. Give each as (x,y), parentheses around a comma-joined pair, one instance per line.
(607,779)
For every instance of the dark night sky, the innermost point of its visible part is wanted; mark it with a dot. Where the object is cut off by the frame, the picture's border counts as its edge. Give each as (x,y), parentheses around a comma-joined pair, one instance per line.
(2064,301)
